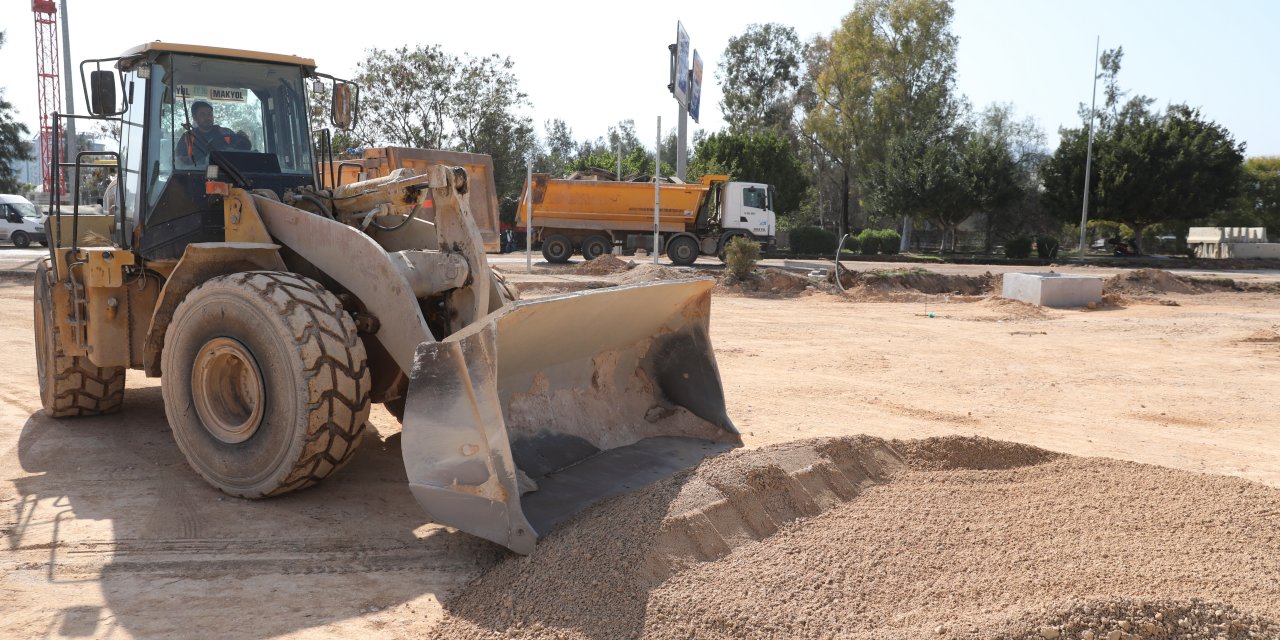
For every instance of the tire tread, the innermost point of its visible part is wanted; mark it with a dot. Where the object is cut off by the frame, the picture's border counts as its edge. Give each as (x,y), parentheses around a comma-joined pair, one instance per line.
(80,388)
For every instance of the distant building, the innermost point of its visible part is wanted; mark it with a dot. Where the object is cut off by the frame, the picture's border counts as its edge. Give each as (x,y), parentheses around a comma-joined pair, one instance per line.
(31,170)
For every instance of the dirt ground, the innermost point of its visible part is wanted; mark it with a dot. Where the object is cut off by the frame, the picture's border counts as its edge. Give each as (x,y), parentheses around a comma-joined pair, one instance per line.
(109,533)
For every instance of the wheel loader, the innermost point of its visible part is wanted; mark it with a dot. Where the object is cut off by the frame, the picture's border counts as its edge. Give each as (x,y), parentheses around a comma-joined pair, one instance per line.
(276,306)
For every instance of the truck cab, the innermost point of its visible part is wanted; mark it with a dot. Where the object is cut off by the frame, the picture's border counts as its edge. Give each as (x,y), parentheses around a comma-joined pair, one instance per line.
(749,207)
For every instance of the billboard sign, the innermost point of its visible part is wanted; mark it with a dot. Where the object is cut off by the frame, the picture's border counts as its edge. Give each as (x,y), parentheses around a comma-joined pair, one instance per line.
(695,86)
(680,86)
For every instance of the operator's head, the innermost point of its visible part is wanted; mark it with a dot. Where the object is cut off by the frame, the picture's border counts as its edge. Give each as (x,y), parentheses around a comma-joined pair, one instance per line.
(202,113)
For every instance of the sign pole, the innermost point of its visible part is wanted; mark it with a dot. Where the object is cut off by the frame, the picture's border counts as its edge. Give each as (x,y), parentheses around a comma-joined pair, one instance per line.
(682,137)
(657,193)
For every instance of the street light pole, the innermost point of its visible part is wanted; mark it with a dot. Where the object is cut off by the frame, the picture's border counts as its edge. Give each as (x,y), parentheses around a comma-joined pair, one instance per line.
(1088,158)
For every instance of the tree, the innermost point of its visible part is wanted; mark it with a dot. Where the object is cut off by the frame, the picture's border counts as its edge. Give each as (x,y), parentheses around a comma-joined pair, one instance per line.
(1149,166)
(1013,206)
(759,78)
(1259,201)
(559,150)
(430,99)
(888,70)
(12,145)
(920,175)
(755,157)
(602,153)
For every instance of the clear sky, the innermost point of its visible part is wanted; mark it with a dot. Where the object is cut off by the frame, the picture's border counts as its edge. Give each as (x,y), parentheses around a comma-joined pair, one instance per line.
(596,64)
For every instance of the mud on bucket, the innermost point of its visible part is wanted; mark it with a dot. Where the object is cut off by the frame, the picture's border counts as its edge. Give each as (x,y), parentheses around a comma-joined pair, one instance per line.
(546,406)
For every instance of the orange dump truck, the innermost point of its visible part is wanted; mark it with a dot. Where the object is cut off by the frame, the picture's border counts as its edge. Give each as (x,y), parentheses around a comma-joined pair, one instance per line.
(591,217)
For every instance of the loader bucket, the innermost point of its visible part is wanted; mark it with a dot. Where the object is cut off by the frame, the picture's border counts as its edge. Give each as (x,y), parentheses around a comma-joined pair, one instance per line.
(546,406)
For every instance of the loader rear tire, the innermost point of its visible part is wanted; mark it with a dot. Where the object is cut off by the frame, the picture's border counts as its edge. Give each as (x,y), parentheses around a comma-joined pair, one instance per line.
(557,248)
(69,385)
(265,383)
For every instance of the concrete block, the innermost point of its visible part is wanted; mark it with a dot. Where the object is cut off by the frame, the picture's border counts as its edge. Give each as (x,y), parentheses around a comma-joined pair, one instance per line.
(1052,289)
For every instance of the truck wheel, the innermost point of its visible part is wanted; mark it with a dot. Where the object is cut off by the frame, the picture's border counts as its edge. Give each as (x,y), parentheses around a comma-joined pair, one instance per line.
(595,246)
(557,248)
(265,383)
(20,239)
(683,250)
(69,385)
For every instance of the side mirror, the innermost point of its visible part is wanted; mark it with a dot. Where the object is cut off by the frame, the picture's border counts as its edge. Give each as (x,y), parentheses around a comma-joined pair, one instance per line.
(345,103)
(102,96)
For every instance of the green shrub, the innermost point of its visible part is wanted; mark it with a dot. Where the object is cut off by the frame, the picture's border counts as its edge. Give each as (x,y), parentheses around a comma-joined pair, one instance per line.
(890,241)
(1047,247)
(1018,248)
(741,256)
(813,241)
(869,242)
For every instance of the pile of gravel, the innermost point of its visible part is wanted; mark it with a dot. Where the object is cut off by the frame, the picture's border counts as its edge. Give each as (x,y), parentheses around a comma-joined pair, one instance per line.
(864,538)
(604,265)
(1148,282)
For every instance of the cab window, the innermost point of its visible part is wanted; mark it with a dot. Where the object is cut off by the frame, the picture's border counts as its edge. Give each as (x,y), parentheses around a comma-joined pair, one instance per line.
(259,117)
(24,210)
(754,198)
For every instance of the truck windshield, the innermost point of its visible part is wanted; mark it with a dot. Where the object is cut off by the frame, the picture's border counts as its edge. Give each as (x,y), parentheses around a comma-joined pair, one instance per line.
(25,209)
(754,198)
(254,112)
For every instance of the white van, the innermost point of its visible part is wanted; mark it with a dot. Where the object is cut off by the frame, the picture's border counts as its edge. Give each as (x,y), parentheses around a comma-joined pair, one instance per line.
(20,222)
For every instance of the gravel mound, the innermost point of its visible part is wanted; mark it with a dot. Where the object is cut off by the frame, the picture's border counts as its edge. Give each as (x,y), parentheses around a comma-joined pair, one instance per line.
(917,280)
(649,272)
(777,282)
(604,265)
(1010,309)
(864,538)
(1263,335)
(1137,618)
(1148,282)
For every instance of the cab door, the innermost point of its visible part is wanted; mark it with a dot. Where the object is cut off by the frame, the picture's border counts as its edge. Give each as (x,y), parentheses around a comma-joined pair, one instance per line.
(10,219)
(755,215)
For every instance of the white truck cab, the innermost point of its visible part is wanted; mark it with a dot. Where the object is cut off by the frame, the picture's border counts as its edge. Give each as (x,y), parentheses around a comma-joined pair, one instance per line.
(20,222)
(749,206)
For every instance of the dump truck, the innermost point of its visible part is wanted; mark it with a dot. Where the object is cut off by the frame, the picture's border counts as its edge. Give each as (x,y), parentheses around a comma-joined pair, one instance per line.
(591,217)
(276,307)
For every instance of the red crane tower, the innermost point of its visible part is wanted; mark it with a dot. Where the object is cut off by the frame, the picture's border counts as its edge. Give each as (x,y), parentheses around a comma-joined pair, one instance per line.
(48,79)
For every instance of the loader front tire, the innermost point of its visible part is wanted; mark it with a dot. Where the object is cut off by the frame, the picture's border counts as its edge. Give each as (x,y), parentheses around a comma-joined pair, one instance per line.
(69,385)
(265,383)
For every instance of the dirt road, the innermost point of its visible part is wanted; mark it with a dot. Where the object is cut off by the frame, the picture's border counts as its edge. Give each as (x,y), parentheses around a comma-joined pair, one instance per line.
(109,534)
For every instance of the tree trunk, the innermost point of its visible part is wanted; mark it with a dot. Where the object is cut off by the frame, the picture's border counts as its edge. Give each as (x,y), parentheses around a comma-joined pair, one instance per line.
(1137,238)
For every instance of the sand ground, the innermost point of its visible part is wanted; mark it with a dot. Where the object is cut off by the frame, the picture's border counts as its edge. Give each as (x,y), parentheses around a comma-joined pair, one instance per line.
(109,534)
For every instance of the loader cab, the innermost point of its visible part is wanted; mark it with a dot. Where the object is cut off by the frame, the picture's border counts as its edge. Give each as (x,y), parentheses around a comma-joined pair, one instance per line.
(262,131)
